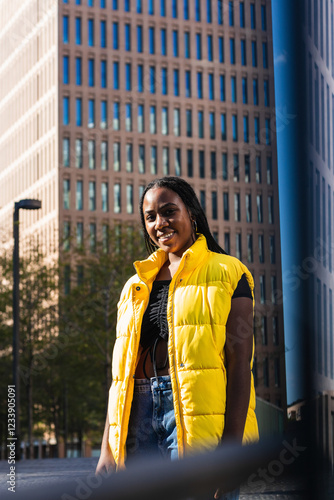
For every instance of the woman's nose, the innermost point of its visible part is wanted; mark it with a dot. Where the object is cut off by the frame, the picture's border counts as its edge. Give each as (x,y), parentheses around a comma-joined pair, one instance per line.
(160,222)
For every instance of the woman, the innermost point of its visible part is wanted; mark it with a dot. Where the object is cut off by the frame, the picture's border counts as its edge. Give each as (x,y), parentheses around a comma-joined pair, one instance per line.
(182,360)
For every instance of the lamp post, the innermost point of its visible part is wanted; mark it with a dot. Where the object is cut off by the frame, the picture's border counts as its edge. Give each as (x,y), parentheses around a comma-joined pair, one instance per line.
(26,205)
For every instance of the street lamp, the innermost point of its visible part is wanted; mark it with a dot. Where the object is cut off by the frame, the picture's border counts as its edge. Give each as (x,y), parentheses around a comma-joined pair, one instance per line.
(26,205)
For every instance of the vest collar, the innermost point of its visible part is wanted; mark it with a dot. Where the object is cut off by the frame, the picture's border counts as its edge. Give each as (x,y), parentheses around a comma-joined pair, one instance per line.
(148,269)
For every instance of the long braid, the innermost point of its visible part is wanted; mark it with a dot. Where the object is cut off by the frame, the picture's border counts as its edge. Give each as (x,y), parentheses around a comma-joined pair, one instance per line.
(189,198)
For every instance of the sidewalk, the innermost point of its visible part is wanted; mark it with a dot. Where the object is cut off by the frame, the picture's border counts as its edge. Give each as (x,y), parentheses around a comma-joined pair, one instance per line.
(35,473)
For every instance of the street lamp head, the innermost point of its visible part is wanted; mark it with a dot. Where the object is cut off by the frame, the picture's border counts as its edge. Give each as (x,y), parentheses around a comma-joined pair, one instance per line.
(28,204)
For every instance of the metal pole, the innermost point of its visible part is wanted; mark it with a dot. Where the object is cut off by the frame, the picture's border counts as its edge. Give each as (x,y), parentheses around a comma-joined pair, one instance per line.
(16,329)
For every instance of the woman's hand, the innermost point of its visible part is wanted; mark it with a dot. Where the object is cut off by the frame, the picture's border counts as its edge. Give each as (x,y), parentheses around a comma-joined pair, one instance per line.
(106,463)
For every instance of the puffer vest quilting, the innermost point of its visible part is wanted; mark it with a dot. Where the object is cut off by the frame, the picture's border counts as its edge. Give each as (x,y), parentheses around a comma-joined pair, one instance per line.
(199,303)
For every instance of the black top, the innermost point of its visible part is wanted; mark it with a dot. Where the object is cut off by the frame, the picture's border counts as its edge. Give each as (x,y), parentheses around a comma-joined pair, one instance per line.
(154,325)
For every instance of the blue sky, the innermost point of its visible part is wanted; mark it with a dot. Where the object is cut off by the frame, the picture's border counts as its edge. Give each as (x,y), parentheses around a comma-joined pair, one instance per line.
(287,179)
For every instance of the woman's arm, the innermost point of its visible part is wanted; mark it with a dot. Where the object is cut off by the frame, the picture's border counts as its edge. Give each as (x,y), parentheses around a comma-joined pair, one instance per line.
(106,461)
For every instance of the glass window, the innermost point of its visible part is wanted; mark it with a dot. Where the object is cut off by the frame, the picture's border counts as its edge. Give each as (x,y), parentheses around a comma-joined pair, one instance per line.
(258,176)
(265,54)
(139,39)
(248,208)
(163,37)
(116,122)
(165,160)
(78,153)
(66,194)
(259,208)
(202,200)
(197,10)
(244,90)
(163,8)
(176,82)
(243,52)
(211,86)
(66,75)
(104,196)
(91,113)
(79,196)
(66,152)
(265,368)
(66,110)
(174,9)
(65,29)
(257,130)
(234,128)
(270,209)
(231,13)
(103,74)
(187,45)
(105,238)
(210,47)
(266,93)
(90,3)
(213,164)
(232,51)
(273,289)
(199,85)
(117,156)
(223,126)
(164,121)
(227,242)
(247,169)
(255,92)
(151,7)
(238,246)
(116,75)
(186,10)
(154,168)
(141,119)
(198,46)
(275,330)
(264,17)
(272,249)
(220,11)
(253,17)
(264,335)
(187,83)
(212,125)
(221,48)
(78,71)
(79,234)
(92,196)
(127,6)
(177,130)
(153,120)
(127,33)
(78,112)
(268,131)
(78,40)
(128,117)
(246,129)
(91,154)
(140,75)
(254,54)
(90,32)
(249,248)
(141,159)
(175,43)
(200,124)
(201,164)
(91,73)
(224,167)
(269,170)
(117,198)
(190,170)
(233,88)
(177,161)
(103,34)
(164,82)
(128,158)
(226,206)
(242,14)
(189,129)
(262,289)
(151,40)
(104,155)
(139,7)
(102,4)
(152,79)
(128,84)
(214,205)
(222,87)
(115,36)
(236,167)
(129,199)
(261,248)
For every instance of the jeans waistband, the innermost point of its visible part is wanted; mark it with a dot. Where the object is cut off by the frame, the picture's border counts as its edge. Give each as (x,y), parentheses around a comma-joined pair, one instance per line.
(143,385)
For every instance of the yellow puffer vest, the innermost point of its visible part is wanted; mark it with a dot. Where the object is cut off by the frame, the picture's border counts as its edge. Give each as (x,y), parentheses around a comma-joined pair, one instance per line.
(199,303)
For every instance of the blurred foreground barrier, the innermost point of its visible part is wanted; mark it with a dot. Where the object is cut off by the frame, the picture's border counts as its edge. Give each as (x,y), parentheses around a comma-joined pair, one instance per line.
(154,479)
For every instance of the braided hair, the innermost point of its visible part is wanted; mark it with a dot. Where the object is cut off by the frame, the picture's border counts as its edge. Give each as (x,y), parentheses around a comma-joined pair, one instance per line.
(189,198)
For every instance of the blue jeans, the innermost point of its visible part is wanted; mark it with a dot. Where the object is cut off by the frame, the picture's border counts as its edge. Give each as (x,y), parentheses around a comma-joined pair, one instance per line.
(152,427)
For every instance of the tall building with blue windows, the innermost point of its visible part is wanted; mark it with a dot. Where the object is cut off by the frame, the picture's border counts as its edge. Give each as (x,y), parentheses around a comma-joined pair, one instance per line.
(98,97)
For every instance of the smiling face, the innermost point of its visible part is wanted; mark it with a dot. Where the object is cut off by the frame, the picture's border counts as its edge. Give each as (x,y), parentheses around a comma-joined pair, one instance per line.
(167,221)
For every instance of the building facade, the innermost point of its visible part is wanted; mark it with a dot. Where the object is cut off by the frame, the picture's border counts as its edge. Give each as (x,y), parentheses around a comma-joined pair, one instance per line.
(103,96)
